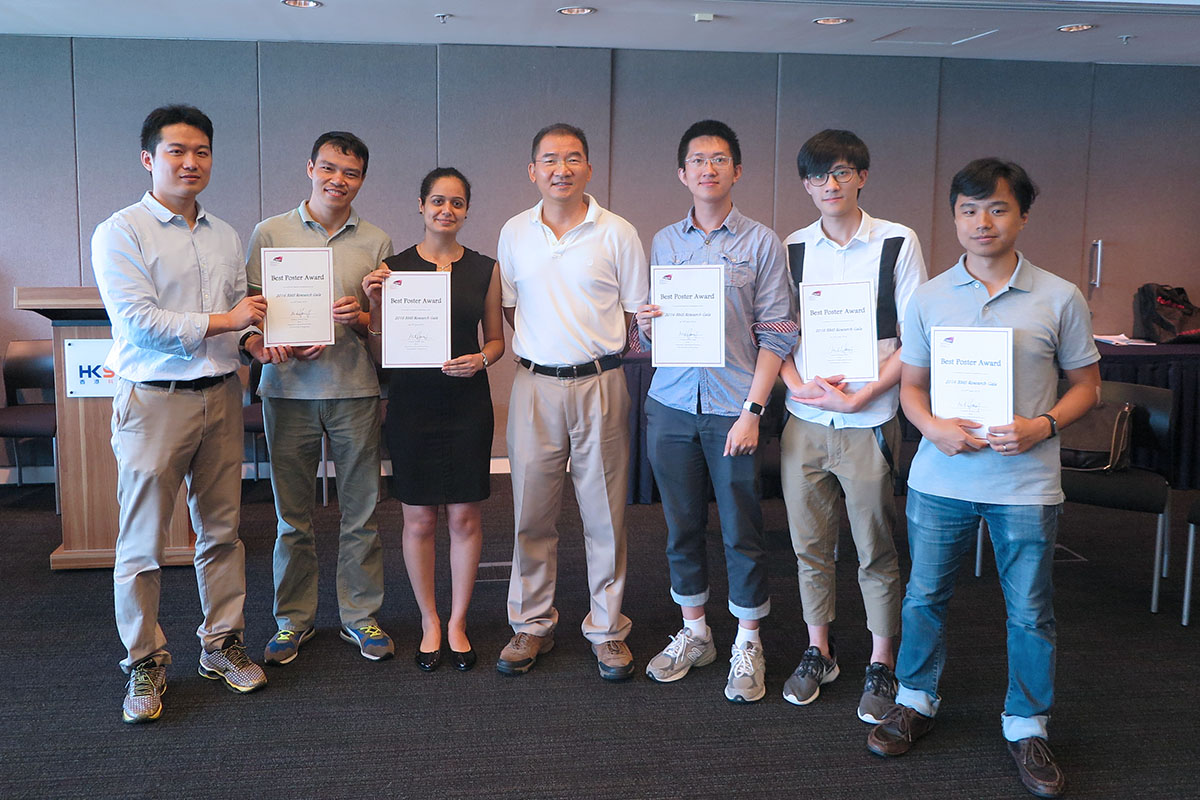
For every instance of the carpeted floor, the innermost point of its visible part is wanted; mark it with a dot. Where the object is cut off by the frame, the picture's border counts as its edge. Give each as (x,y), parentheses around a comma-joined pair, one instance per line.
(332,724)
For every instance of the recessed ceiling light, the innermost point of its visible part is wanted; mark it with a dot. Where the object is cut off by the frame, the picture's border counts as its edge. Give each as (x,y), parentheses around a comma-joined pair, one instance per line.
(1078,27)
(572,11)
(831,20)
(302,3)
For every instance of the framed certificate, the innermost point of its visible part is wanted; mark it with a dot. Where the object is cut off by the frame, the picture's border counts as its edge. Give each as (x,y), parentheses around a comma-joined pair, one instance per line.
(691,330)
(837,331)
(416,319)
(971,374)
(297,283)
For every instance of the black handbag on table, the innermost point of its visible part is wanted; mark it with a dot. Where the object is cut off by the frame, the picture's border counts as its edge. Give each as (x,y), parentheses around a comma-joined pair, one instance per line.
(1163,314)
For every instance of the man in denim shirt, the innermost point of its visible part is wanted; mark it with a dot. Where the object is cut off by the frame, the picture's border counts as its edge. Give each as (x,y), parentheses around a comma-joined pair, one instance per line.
(704,422)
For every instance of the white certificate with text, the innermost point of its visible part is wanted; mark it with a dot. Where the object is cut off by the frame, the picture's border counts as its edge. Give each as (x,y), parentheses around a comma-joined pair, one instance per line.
(837,330)
(691,330)
(297,283)
(416,319)
(971,374)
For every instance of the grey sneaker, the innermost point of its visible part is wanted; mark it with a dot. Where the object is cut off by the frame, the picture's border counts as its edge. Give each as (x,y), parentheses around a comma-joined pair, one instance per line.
(747,674)
(371,641)
(815,670)
(285,646)
(522,650)
(879,693)
(232,665)
(684,652)
(614,660)
(143,694)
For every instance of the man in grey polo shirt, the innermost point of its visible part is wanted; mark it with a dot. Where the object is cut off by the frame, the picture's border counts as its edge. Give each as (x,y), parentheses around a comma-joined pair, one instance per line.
(1007,474)
(330,391)
(572,275)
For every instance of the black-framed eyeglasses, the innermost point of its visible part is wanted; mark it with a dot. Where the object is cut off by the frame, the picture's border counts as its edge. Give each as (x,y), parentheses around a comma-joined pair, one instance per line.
(841,175)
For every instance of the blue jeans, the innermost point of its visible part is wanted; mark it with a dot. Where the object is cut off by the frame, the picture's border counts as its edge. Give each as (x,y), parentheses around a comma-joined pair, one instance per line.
(940,532)
(685,452)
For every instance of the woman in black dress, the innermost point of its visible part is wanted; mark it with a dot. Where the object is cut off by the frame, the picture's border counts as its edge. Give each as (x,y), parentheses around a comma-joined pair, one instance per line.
(439,421)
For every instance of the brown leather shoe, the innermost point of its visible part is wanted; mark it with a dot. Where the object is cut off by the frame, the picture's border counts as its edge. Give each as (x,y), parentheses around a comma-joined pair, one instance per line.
(895,734)
(521,651)
(1037,768)
(614,660)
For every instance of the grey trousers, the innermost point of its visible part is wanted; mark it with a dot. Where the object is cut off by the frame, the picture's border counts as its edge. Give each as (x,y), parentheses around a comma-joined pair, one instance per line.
(294,429)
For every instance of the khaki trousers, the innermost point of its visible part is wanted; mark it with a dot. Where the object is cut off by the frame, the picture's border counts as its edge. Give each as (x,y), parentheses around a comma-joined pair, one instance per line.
(161,438)
(587,420)
(817,460)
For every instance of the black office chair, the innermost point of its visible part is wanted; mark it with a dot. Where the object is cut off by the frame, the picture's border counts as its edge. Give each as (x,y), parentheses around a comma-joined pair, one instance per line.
(1145,489)
(252,421)
(29,368)
(1193,519)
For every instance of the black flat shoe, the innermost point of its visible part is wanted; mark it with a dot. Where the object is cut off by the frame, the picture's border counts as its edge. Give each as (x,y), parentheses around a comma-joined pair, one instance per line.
(429,661)
(463,661)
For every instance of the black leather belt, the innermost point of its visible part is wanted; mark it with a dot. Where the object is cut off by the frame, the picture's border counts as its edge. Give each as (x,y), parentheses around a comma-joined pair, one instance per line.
(194,385)
(577,371)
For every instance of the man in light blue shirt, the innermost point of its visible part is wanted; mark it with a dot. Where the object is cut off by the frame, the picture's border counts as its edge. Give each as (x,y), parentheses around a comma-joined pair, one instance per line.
(172,282)
(1007,474)
(703,422)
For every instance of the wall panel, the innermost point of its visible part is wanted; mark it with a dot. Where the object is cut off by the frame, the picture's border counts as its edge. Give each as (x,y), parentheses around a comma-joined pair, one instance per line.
(386,95)
(39,235)
(656,96)
(891,103)
(491,102)
(119,81)
(1037,115)
(1143,195)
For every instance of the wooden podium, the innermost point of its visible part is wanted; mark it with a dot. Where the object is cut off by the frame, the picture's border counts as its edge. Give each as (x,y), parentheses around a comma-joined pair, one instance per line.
(87,469)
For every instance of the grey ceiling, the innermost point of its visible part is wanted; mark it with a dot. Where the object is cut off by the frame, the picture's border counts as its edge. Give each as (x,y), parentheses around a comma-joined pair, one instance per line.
(1158,32)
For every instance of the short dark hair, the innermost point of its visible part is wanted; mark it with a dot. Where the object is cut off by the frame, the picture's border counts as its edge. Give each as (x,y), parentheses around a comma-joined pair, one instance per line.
(828,147)
(562,128)
(980,178)
(346,142)
(163,116)
(444,172)
(710,127)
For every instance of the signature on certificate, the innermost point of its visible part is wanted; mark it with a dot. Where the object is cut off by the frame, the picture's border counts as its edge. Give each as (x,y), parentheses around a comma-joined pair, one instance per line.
(418,339)
(300,316)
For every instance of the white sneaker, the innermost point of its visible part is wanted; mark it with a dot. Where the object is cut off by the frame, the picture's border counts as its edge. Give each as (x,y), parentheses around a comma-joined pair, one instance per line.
(747,674)
(684,652)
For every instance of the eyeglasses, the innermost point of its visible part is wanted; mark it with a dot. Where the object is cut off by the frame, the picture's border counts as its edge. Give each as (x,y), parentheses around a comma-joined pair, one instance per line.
(720,162)
(570,161)
(842,175)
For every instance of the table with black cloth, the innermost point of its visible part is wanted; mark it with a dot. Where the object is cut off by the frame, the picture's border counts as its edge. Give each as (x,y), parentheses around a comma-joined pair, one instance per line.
(1170,366)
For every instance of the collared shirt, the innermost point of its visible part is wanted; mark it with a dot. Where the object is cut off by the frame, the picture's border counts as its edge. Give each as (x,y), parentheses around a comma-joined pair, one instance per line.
(570,293)
(345,369)
(1052,328)
(826,261)
(759,310)
(160,280)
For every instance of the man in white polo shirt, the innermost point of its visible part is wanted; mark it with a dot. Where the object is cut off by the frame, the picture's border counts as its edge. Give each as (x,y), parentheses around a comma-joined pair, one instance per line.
(572,276)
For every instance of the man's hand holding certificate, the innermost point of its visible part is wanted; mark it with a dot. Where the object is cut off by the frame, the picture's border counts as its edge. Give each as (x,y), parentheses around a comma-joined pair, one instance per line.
(297,283)
(690,329)
(416,319)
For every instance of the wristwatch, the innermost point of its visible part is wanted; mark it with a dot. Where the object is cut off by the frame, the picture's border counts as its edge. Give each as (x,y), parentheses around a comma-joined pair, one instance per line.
(1053,425)
(753,407)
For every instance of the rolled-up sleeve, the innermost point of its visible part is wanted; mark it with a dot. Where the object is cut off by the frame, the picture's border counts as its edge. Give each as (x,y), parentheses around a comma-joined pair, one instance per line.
(132,299)
(774,325)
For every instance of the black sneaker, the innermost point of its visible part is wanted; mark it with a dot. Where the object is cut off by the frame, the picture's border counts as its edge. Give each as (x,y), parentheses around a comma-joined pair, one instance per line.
(879,693)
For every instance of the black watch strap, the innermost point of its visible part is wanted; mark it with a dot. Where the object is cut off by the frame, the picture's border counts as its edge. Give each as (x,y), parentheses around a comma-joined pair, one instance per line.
(1053,425)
